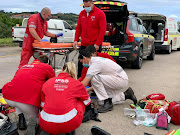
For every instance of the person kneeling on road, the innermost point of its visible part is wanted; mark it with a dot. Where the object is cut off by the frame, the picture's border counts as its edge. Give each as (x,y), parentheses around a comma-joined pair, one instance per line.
(107,79)
(24,91)
(94,53)
(63,100)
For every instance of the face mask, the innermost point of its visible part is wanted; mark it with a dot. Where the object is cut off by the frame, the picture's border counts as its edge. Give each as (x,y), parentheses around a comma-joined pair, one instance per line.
(88,9)
(86,65)
(48,18)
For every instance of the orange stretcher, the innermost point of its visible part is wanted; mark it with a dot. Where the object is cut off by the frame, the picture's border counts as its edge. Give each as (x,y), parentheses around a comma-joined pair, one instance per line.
(51,49)
(49,45)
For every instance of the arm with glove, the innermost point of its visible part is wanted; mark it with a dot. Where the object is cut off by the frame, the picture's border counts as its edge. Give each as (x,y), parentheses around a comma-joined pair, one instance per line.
(48,34)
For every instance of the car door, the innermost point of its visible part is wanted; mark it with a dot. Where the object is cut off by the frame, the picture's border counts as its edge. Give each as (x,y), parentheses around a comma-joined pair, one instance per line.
(144,37)
(178,36)
(68,33)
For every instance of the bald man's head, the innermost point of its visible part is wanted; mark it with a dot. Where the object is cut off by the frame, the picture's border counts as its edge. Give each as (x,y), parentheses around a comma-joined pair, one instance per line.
(46,13)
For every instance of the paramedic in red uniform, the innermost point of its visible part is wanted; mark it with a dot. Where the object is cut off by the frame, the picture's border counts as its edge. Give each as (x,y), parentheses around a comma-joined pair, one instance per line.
(91,27)
(35,30)
(24,90)
(63,100)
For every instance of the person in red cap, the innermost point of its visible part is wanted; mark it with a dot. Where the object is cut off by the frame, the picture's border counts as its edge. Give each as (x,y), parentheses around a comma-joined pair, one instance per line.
(63,100)
(24,90)
(91,27)
(35,30)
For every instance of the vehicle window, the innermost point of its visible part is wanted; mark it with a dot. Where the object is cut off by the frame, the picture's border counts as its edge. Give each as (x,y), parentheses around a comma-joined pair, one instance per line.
(178,28)
(140,26)
(67,26)
(24,24)
(134,25)
(51,25)
(144,30)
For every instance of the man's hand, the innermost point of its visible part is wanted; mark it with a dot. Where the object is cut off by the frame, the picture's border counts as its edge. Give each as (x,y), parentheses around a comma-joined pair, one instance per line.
(97,47)
(59,35)
(75,45)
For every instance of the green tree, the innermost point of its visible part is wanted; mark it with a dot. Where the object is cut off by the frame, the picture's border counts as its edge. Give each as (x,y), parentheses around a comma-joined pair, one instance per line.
(6,24)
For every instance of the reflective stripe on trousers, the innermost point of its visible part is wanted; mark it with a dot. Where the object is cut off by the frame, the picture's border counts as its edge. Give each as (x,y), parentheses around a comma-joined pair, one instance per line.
(58,118)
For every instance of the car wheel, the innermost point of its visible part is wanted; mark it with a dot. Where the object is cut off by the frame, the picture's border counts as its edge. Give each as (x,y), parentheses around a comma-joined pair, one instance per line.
(20,44)
(178,49)
(53,40)
(137,64)
(152,55)
(170,50)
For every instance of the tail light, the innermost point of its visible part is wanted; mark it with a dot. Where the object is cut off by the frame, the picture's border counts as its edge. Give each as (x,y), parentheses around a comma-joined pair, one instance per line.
(166,35)
(12,32)
(130,35)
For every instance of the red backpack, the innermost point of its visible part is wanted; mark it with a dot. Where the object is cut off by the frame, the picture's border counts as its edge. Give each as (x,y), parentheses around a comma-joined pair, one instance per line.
(174,112)
(156,96)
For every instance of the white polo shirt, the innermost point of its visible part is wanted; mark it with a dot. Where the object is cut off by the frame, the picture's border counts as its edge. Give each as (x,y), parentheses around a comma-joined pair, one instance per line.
(104,66)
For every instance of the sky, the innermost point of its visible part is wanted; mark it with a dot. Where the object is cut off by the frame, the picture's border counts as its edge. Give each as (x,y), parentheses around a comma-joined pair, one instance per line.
(169,8)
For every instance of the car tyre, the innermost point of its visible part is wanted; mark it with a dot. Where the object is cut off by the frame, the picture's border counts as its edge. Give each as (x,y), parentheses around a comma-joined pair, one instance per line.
(169,50)
(20,44)
(53,40)
(152,55)
(178,49)
(137,64)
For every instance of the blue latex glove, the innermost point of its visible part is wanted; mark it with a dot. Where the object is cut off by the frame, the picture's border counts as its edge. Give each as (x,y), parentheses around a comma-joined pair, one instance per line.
(59,35)
(44,40)
(87,87)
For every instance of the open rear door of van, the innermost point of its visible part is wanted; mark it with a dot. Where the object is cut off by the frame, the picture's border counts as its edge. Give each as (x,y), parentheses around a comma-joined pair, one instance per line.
(116,15)
(155,25)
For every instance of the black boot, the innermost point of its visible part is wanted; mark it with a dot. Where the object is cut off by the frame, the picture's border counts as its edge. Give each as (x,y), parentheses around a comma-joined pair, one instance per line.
(31,129)
(22,122)
(72,133)
(98,131)
(0,90)
(129,94)
(108,106)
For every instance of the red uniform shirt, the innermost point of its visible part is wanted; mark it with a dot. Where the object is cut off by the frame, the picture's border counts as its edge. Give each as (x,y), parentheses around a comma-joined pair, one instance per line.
(91,28)
(84,70)
(37,22)
(61,94)
(27,84)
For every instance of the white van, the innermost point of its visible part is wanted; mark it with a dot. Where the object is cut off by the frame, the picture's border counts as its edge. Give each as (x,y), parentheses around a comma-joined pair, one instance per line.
(54,26)
(165,31)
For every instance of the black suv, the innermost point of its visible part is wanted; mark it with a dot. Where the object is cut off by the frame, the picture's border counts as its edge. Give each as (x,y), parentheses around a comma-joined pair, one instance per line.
(126,34)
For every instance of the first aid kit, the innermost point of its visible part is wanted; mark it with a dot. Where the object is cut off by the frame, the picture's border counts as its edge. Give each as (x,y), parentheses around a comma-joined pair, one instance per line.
(174,112)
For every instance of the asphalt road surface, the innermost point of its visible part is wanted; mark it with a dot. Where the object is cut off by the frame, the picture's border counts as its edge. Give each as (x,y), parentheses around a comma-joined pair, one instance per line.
(159,76)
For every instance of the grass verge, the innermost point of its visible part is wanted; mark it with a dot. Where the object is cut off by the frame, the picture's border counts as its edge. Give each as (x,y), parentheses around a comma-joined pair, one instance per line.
(4,42)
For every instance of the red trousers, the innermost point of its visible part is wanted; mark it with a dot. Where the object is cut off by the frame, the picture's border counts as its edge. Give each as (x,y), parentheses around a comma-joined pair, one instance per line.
(67,127)
(25,56)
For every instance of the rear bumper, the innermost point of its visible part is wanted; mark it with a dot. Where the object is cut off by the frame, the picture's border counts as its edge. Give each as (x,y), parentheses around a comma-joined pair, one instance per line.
(126,53)
(160,46)
(17,41)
